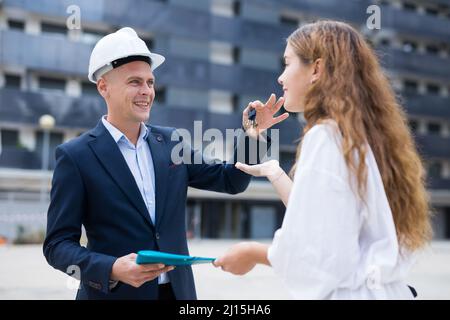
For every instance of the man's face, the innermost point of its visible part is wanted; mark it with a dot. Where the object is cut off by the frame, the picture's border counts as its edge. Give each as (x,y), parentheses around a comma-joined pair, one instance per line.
(129,91)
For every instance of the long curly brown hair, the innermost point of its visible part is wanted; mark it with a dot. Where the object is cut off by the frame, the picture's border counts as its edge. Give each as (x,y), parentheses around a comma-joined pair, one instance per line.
(353,91)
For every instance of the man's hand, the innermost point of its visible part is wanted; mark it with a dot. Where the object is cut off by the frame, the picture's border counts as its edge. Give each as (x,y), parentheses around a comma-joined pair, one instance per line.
(126,270)
(264,115)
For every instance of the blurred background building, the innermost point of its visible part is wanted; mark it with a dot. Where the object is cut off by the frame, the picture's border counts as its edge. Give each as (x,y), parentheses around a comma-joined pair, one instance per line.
(220,54)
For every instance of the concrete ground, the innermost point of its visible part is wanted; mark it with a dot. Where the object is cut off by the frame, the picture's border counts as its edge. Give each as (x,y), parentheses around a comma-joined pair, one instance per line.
(24,274)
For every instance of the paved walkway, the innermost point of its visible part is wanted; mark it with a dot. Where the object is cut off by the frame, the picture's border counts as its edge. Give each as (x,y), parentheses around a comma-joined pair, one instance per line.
(24,274)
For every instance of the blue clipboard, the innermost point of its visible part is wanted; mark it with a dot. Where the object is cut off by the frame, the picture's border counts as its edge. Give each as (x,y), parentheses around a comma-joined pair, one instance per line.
(169,259)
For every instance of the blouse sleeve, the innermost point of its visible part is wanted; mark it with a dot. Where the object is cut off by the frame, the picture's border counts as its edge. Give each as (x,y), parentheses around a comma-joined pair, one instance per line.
(316,247)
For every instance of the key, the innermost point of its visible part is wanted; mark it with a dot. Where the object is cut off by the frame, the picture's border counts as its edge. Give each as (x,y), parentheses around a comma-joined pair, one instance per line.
(252,118)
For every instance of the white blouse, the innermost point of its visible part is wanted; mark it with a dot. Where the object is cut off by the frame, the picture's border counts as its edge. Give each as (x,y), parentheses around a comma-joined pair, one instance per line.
(331,245)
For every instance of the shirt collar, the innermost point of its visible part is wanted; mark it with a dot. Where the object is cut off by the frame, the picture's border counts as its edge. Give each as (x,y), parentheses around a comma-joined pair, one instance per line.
(117,134)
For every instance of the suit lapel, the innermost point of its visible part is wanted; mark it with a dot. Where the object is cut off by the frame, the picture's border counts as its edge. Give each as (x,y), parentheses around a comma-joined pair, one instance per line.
(108,153)
(161,161)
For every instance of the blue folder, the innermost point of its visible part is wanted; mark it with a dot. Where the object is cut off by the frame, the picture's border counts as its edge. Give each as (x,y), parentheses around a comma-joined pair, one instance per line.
(169,259)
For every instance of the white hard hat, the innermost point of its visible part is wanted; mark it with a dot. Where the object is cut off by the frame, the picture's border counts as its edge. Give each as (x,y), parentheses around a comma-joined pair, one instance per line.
(118,48)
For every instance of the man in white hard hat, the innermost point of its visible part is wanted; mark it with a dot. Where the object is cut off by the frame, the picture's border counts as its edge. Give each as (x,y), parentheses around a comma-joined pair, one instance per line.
(118,181)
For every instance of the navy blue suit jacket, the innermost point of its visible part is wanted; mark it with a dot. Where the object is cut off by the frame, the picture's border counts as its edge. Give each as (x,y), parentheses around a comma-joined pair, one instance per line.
(92,186)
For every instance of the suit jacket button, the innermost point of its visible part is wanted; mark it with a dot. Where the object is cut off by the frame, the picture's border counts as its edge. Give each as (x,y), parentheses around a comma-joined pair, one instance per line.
(157,236)
(159,138)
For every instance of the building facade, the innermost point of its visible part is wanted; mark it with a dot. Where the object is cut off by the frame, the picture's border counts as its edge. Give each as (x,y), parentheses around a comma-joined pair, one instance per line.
(220,54)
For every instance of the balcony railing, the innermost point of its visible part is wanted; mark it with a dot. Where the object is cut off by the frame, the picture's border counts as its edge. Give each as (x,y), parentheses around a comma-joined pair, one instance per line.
(84,112)
(422,64)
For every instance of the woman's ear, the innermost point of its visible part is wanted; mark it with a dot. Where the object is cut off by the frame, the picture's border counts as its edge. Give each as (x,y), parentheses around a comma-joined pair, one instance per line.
(317,70)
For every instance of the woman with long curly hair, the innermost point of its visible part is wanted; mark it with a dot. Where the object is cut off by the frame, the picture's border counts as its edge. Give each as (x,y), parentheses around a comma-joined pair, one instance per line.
(357,208)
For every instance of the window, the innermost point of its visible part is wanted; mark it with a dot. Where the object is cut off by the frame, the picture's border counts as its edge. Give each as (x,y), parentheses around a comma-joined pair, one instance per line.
(221,101)
(236,7)
(236,54)
(409,46)
(53,28)
(433,88)
(410,86)
(221,53)
(434,128)
(434,169)
(235,102)
(89,88)
(160,94)
(432,49)
(409,6)
(432,11)
(225,8)
(91,36)
(9,138)
(385,42)
(49,83)
(16,24)
(289,22)
(12,81)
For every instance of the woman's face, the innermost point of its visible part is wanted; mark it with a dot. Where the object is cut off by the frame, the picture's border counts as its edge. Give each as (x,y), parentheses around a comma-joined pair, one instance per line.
(295,80)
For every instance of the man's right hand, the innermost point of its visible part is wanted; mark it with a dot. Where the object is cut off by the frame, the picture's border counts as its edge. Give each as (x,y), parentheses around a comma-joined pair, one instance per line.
(126,270)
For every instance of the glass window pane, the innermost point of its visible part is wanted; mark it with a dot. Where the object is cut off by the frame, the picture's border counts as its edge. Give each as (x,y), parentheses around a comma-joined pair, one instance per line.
(52,83)
(12,81)
(9,138)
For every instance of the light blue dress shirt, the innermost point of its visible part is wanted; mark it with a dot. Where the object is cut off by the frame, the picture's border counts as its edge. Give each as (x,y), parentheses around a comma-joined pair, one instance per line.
(139,160)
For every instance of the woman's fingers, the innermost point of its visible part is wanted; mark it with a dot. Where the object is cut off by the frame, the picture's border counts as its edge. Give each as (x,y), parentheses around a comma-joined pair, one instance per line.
(242,167)
(245,112)
(271,100)
(247,169)
(278,119)
(217,263)
(277,105)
